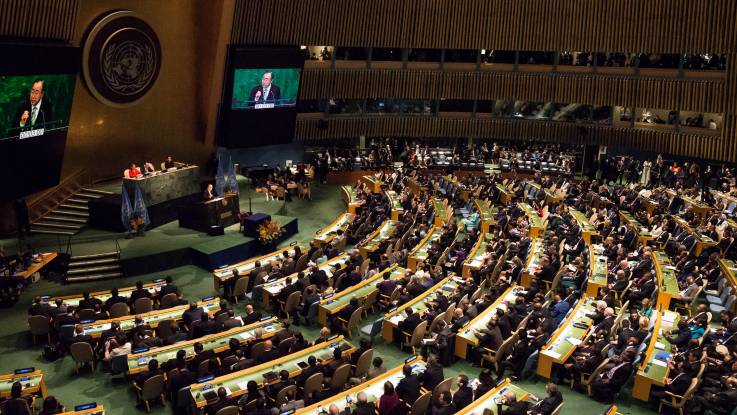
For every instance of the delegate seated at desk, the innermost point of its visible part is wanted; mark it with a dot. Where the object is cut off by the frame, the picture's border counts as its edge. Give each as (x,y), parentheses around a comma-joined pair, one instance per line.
(209,193)
(132,172)
(168,163)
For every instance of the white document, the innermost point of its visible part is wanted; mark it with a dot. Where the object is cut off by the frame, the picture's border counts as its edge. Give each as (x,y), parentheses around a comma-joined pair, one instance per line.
(659,362)
(554,355)
(574,341)
(659,345)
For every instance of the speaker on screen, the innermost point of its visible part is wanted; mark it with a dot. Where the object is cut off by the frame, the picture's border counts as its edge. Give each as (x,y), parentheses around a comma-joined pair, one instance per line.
(260,96)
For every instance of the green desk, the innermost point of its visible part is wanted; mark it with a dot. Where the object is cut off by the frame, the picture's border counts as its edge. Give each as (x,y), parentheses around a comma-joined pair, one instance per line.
(235,383)
(419,252)
(587,230)
(151,318)
(385,231)
(33,383)
(476,258)
(351,199)
(333,303)
(486,215)
(505,196)
(643,235)
(372,183)
(418,304)
(598,271)
(467,336)
(567,337)
(443,213)
(223,274)
(490,399)
(218,343)
(396,204)
(373,389)
(73,300)
(535,221)
(537,250)
(272,289)
(667,281)
(654,371)
(327,235)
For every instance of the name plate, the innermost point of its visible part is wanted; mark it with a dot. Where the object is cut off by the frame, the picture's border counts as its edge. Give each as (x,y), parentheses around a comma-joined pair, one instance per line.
(31,133)
(262,106)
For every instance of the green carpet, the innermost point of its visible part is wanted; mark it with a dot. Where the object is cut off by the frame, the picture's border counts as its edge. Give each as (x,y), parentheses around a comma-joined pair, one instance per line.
(16,349)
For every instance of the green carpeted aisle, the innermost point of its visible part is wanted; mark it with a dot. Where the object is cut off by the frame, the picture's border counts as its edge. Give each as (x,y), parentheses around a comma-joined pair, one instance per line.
(17,350)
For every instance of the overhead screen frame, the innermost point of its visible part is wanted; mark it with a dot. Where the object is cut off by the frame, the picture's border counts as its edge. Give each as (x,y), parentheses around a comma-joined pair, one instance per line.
(33,164)
(233,123)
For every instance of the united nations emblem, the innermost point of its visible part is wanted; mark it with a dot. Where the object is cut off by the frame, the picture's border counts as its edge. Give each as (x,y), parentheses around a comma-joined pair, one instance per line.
(122,58)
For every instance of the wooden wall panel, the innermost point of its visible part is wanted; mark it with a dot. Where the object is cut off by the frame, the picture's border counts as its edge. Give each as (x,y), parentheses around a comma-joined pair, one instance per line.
(653,26)
(38,19)
(659,93)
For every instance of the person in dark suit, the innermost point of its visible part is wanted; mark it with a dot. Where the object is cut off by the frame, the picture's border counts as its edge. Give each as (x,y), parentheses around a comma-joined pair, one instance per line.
(200,355)
(231,322)
(114,299)
(269,353)
(410,321)
(17,404)
(169,288)
(176,335)
(408,388)
(192,314)
(432,375)
(614,376)
(179,379)
(80,336)
(551,401)
(513,406)
(139,292)
(221,403)
(463,396)
(37,111)
(251,315)
(444,405)
(153,370)
(363,406)
(88,302)
(679,378)
(311,369)
(208,193)
(39,308)
(265,92)
(205,326)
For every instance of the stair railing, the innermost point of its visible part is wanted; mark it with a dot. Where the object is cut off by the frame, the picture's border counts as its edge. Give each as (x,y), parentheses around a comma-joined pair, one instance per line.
(42,203)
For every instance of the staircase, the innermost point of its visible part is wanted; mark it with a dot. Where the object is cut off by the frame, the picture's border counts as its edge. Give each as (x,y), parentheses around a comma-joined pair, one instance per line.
(83,268)
(69,216)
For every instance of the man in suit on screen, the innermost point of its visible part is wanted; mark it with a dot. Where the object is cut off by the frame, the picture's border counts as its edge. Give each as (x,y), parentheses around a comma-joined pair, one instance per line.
(37,111)
(265,92)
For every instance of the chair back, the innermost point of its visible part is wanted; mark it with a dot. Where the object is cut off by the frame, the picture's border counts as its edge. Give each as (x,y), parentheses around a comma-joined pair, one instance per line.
(260,278)
(449,312)
(203,368)
(313,384)
(257,350)
(285,345)
(292,301)
(230,361)
(301,263)
(441,387)
(81,352)
(354,320)
(418,333)
(340,377)
(39,325)
(241,286)
(119,364)
(153,388)
(119,310)
(419,407)
(143,305)
(435,322)
(281,397)
(371,300)
(364,266)
(168,300)
(228,410)
(163,329)
(557,409)
(316,254)
(364,363)
(86,314)
(66,333)
(395,295)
